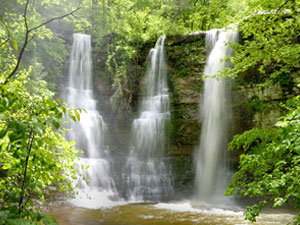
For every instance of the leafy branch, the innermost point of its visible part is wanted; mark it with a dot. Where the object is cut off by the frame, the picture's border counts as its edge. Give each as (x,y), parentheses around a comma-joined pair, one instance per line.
(282,6)
(28,31)
(7,31)
(30,142)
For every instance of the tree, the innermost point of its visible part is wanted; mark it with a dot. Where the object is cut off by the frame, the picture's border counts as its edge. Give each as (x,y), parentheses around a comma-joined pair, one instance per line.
(270,47)
(28,37)
(34,152)
(49,44)
(270,165)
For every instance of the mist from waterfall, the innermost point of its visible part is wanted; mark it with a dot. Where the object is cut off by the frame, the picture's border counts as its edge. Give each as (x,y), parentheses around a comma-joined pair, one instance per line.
(212,171)
(146,175)
(89,134)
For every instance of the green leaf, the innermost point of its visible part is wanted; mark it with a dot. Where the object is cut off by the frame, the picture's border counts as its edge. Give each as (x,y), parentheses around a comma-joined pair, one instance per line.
(49,220)
(59,101)
(71,116)
(55,124)
(2,108)
(15,44)
(77,114)
(3,133)
(13,137)
(2,116)
(38,216)
(6,166)
(21,127)
(39,128)
(12,125)
(48,141)
(278,202)
(64,109)
(30,203)
(297,150)
(59,116)
(51,104)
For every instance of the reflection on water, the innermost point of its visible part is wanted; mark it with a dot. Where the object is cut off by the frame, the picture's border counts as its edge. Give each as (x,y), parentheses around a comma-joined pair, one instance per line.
(162,213)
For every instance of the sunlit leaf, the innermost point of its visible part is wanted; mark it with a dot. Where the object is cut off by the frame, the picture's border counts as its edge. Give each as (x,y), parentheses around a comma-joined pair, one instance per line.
(6,166)
(15,44)
(59,101)
(77,114)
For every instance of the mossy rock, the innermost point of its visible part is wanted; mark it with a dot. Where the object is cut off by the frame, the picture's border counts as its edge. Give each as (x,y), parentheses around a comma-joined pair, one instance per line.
(186,56)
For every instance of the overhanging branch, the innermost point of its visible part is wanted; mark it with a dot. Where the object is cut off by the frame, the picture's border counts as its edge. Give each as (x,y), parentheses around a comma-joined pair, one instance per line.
(282,6)
(28,30)
(55,18)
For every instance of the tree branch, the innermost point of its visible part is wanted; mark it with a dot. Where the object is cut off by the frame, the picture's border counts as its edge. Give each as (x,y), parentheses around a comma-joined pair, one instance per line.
(24,45)
(282,6)
(13,72)
(30,142)
(55,18)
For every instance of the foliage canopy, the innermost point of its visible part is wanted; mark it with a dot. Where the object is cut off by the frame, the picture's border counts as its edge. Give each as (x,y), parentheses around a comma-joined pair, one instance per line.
(270,47)
(34,153)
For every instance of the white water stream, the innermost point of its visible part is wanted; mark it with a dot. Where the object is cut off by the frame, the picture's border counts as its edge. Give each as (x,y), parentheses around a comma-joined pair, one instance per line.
(89,134)
(211,167)
(146,175)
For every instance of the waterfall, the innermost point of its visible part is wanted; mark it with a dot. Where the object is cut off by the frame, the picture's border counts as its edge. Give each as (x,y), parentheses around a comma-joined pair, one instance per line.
(89,134)
(211,166)
(146,175)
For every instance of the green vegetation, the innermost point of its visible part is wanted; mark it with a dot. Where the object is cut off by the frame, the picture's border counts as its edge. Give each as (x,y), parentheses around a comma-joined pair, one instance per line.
(268,54)
(185,61)
(269,167)
(33,151)
(127,25)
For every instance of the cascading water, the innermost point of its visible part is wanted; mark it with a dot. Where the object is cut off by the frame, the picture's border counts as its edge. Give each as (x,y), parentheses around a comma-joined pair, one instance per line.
(211,169)
(145,173)
(89,133)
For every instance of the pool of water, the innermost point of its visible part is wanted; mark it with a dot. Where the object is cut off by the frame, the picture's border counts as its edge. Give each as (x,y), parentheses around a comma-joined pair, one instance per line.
(181,213)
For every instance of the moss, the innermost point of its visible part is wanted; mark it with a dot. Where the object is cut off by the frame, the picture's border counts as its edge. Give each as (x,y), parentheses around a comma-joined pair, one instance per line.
(186,60)
(120,75)
(185,130)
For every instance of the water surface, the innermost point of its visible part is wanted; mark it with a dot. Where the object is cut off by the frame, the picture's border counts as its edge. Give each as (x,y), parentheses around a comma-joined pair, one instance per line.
(163,213)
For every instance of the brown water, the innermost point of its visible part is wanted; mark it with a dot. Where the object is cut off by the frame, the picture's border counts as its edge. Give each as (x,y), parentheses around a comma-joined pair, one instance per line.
(164,214)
